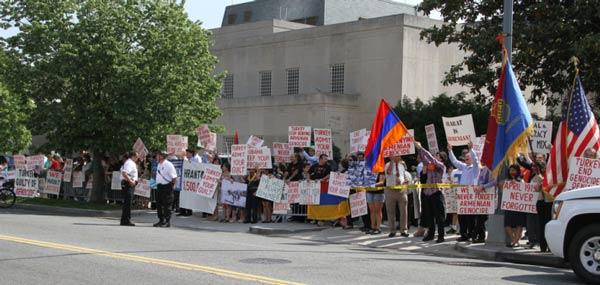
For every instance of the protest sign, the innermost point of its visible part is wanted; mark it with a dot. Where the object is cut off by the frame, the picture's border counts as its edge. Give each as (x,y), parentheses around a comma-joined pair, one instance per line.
(323,144)
(142,189)
(210,180)
(282,207)
(270,188)
(450,200)
(310,192)
(459,130)
(338,185)
(35,162)
(358,141)
(233,193)
(292,189)
(583,172)
(115,181)
(178,164)
(519,196)
(358,204)
(259,158)
(192,176)
(140,148)
(77,179)
(203,133)
(254,141)
(405,146)
(26,185)
(471,202)
(211,144)
(541,139)
(478,144)
(299,136)
(90,182)
(20,161)
(68,170)
(282,152)
(239,159)
(431,138)
(177,144)
(53,179)
(197,203)
(42,185)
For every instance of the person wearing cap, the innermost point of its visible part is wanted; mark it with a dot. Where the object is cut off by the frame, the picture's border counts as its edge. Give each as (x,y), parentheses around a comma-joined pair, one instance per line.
(129,178)
(166,176)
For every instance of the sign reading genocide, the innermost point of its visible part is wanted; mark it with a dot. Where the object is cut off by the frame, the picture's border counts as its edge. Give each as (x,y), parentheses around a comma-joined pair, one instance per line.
(177,144)
(541,140)
(323,144)
(431,138)
(519,197)
(337,185)
(358,204)
(583,172)
(299,136)
(53,180)
(282,152)
(68,170)
(115,181)
(358,140)
(254,141)
(26,185)
(142,189)
(233,193)
(471,202)
(140,148)
(405,146)
(78,179)
(270,188)
(259,158)
(459,130)
(239,159)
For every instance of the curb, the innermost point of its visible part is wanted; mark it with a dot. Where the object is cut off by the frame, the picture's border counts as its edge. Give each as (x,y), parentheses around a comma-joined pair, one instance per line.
(514,257)
(266,231)
(74,211)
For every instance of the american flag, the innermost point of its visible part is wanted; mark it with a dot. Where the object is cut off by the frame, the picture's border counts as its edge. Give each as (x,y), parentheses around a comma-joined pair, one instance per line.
(578,131)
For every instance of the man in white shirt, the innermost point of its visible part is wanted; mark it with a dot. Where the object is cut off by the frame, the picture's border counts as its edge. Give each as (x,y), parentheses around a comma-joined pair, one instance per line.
(166,176)
(470,176)
(395,174)
(129,178)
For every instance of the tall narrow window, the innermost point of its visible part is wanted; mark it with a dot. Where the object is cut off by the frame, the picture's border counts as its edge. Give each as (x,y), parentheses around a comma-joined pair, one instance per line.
(231,18)
(293,80)
(337,78)
(264,83)
(247,16)
(227,90)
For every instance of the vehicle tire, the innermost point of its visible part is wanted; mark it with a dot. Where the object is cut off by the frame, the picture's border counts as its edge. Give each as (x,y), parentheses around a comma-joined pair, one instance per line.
(584,254)
(7,198)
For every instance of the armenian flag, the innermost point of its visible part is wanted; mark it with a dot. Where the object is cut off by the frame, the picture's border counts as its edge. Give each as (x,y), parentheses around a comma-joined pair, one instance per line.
(387,129)
(330,207)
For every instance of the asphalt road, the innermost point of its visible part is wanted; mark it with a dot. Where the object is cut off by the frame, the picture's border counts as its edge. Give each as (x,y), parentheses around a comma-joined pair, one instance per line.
(41,249)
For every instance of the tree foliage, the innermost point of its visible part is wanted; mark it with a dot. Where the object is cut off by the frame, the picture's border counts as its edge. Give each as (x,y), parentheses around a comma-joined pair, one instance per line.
(546,35)
(103,73)
(14,134)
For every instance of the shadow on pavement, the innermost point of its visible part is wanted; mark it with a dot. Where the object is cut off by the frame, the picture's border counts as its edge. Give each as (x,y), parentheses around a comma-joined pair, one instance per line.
(542,279)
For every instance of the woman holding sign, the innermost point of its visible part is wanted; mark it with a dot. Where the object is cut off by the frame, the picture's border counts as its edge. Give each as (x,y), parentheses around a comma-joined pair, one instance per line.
(514,221)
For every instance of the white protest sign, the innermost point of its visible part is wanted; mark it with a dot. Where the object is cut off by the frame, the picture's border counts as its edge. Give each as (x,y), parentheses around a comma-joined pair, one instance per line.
(358,204)
(520,197)
(323,144)
(239,159)
(140,148)
(42,185)
(337,185)
(68,170)
(431,138)
(115,182)
(233,193)
(282,207)
(299,136)
(35,162)
(541,140)
(282,152)
(459,130)
(292,189)
(450,200)
(471,202)
(20,161)
(310,192)
(254,141)
(405,146)
(193,201)
(211,144)
(358,140)
(270,188)
(142,189)
(583,172)
(259,158)
(53,179)
(26,185)
(210,180)
(177,144)
(78,179)
(478,144)
(192,177)
(203,133)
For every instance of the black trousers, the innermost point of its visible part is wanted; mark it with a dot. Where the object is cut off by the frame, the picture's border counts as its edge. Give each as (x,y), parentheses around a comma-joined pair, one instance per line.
(424,219)
(251,208)
(544,210)
(127,195)
(467,226)
(479,226)
(164,199)
(434,212)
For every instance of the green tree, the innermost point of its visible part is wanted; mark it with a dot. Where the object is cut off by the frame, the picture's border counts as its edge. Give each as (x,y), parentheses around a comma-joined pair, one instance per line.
(546,35)
(14,134)
(103,73)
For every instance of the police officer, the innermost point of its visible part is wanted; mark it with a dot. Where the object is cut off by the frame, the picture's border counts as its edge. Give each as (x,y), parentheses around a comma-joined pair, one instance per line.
(129,178)
(166,176)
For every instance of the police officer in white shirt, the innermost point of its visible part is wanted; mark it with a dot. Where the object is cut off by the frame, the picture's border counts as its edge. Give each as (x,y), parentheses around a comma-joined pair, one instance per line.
(166,176)
(129,178)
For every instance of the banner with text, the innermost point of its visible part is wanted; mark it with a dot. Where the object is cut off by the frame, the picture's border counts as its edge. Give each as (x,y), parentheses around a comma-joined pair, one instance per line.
(450,200)
(78,178)
(358,204)
(310,192)
(270,188)
(20,161)
(541,140)
(323,143)
(254,141)
(431,138)
(259,158)
(282,152)
(583,172)
(239,159)
(299,136)
(233,193)
(142,189)
(53,180)
(26,185)
(68,170)
(471,202)
(405,146)
(520,197)
(478,144)
(177,144)
(358,140)
(459,130)
(338,186)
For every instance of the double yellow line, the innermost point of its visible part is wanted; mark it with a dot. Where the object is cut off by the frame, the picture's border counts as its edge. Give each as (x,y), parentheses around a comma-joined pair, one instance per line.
(148,260)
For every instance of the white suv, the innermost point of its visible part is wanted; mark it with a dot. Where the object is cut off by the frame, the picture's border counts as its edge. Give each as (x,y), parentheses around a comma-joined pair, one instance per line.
(574,232)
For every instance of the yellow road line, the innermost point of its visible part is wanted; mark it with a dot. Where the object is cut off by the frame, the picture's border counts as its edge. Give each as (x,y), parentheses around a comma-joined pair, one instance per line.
(142,259)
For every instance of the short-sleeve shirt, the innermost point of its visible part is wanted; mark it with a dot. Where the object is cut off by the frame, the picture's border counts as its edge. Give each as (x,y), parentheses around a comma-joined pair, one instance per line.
(131,169)
(166,173)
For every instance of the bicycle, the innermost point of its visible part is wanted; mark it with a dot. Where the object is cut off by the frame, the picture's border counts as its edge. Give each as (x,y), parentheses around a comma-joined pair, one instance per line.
(7,195)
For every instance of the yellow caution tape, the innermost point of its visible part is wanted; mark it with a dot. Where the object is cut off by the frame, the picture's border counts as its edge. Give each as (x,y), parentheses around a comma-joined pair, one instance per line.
(408,186)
